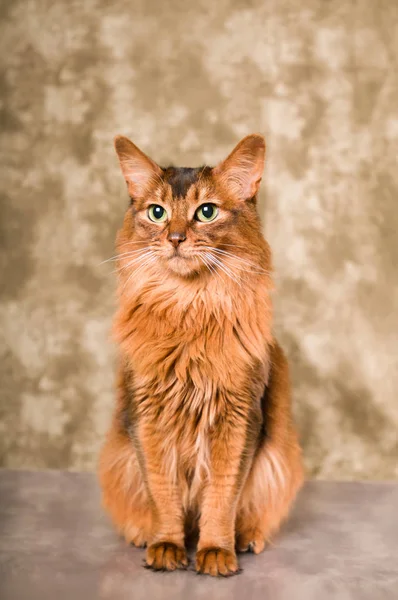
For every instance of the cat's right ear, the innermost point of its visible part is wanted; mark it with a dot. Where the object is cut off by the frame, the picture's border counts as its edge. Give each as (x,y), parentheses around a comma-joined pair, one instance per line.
(138,169)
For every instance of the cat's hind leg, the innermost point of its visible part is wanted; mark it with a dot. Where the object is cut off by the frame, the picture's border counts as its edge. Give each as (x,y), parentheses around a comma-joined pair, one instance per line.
(123,490)
(276,473)
(266,499)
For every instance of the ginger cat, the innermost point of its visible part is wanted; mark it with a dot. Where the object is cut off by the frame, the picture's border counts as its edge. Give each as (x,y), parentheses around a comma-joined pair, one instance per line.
(202,436)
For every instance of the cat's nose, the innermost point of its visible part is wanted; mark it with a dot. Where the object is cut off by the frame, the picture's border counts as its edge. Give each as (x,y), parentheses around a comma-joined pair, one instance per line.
(176,238)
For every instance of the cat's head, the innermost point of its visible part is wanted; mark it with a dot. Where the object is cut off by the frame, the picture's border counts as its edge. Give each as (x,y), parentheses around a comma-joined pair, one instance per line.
(193,221)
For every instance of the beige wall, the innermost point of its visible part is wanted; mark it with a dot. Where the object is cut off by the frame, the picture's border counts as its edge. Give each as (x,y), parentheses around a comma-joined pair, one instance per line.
(186,80)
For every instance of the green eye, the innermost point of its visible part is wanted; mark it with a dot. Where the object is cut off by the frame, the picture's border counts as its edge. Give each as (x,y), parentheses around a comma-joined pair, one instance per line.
(157,213)
(206,213)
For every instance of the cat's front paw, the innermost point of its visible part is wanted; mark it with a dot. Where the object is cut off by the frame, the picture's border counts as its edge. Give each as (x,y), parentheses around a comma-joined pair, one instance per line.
(166,556)
(216,561)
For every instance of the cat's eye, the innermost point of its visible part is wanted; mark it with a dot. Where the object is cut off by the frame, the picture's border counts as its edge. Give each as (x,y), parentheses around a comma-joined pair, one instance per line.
(157,213)
(206,213)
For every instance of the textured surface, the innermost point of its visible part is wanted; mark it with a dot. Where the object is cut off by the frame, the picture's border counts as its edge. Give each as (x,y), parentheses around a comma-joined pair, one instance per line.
(186,81)
(55,542)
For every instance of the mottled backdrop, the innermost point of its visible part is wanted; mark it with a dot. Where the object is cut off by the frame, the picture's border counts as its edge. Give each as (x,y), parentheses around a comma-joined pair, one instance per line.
(185,80)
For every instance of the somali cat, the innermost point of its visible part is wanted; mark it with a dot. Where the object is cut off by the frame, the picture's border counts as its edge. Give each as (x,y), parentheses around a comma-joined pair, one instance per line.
(202,436)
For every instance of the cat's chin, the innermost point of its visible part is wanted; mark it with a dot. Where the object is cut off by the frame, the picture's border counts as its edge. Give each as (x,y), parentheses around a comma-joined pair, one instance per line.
(184,267)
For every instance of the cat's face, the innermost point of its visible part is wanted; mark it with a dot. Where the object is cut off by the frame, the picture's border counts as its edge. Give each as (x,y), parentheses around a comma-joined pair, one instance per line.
(193,221)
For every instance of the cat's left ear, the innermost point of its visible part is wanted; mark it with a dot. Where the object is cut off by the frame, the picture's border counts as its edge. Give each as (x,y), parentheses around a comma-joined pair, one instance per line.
(242,170)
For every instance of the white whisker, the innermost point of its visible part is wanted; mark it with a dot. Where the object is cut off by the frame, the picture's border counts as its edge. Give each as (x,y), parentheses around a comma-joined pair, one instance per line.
(242,260)
(223,267)
(131,263)
(132,242)
(149,261)
(205,263)
(152,257)
(124,254)
(210,267)
(233,256)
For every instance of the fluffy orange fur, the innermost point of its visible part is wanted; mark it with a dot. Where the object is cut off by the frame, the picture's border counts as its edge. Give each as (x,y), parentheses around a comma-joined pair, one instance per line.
(202,436)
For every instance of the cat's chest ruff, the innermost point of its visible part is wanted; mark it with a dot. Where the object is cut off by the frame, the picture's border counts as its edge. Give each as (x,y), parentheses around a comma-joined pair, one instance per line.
(201,340)
(206,339)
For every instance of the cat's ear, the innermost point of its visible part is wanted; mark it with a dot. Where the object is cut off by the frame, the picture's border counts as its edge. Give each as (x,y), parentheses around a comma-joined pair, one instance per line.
(242,170)
(138,169)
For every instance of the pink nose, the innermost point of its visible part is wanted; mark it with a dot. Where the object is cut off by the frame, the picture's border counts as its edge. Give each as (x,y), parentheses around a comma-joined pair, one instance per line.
(176,238)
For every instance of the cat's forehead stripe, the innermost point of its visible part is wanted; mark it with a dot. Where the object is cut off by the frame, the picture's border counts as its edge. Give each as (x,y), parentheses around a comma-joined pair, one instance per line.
(180,179)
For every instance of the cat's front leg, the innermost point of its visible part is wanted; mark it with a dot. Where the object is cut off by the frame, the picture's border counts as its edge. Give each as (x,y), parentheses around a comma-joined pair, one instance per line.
(166,549)
(230,456)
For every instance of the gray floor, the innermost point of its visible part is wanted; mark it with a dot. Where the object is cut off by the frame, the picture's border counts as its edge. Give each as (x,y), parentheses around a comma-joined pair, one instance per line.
(55,543)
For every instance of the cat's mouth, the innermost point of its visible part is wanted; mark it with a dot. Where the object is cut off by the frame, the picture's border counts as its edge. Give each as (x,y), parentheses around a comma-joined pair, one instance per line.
(178,253)
(182,264)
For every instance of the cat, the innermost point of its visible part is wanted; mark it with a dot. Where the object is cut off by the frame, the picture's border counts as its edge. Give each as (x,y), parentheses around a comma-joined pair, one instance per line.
(202,436)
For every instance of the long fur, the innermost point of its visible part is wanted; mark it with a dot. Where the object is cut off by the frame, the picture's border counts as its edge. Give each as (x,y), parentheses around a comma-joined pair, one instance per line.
(202,435)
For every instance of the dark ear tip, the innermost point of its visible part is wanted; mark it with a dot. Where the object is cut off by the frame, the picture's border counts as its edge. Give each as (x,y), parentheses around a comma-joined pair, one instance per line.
(256,139)
(120,142)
